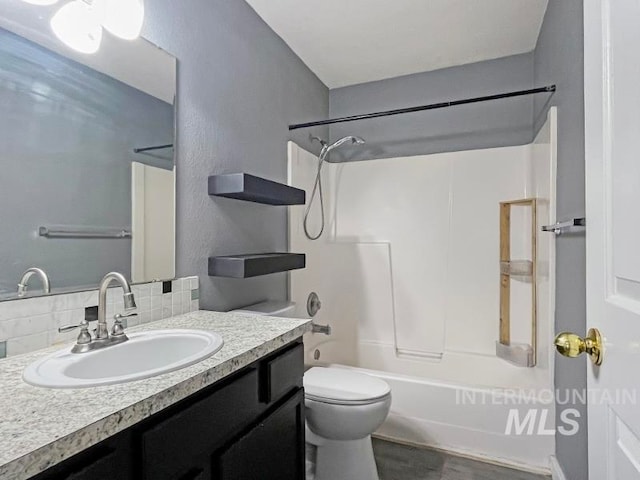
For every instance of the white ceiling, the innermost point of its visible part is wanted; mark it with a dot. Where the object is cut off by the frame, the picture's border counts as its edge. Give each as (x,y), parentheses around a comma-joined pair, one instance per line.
(346,42)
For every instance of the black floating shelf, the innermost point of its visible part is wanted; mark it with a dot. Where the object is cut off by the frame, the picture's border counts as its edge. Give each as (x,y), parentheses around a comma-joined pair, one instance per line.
(243,186)
(245,266)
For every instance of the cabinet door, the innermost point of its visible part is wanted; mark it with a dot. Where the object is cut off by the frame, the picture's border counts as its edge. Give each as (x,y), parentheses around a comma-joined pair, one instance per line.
(106,468)
(107,460)
(196,473)
(273,450)
(179,446)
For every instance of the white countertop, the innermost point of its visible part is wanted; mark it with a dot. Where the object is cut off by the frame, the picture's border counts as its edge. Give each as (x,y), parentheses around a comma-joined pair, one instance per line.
(40,427)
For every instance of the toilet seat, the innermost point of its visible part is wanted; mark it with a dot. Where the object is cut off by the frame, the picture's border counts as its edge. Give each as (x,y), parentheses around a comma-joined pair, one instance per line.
(347,403)
(339,386)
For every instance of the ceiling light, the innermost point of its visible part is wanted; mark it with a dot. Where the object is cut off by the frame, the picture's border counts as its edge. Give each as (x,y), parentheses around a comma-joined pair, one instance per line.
(124,18)
(41,2)
(77,24)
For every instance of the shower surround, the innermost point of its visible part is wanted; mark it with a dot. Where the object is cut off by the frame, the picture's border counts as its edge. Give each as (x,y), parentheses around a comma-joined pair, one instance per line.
(408,276)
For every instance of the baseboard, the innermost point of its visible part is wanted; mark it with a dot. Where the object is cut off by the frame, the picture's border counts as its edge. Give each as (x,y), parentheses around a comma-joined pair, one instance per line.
(470,455)
(523,452)
(556,469)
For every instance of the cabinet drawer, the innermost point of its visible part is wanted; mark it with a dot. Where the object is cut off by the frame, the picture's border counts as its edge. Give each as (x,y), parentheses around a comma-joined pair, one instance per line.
(174,445)
(272,450)
(282,373)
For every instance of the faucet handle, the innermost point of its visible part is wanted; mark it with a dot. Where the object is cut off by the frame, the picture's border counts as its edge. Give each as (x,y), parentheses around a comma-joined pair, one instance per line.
(118,328)
(84,337)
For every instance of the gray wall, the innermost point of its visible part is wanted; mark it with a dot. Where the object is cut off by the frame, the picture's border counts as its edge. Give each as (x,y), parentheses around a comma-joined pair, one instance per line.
(239,86)
(483,125)
(67,134)
(559,59)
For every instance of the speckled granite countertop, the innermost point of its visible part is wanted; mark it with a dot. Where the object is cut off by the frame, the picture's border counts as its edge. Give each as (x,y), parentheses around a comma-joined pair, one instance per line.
(40,427)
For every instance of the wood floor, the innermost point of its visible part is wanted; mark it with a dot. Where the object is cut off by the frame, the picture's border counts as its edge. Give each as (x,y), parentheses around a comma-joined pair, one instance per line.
(400,462)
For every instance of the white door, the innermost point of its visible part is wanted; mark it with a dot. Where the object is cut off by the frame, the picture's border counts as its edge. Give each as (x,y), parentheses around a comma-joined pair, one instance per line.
(152,223)
(612,111)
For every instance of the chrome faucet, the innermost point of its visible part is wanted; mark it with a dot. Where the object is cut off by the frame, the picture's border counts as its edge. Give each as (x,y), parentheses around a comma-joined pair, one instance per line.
(23,285)
(85,343)
(129,302)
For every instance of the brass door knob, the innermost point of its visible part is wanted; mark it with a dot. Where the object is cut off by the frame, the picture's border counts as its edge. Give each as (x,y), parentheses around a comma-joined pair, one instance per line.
(572,345)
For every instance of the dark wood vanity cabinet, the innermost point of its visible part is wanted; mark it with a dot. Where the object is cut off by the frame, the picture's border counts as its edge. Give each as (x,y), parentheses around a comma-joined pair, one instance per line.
(247,426)
(271,450)
(109,460)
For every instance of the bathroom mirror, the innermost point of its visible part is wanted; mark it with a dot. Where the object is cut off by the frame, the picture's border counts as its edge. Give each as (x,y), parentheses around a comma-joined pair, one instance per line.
(88,173)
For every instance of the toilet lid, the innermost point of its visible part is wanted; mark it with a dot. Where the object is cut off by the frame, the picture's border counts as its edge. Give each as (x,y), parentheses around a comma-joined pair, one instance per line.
(343,385)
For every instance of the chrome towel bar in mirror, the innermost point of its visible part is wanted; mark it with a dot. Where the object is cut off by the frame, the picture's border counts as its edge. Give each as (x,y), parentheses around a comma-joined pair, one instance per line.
(83,232)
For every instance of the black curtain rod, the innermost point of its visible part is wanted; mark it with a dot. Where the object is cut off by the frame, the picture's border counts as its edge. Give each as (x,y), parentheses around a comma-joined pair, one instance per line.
(433,106)
(150,149)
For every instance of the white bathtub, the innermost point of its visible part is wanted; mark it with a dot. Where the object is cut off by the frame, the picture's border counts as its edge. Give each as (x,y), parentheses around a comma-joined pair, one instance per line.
(470,421)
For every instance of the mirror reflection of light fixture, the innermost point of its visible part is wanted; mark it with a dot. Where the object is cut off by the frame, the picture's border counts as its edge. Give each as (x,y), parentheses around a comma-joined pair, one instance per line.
(41,2)
(124,18)
(77,24)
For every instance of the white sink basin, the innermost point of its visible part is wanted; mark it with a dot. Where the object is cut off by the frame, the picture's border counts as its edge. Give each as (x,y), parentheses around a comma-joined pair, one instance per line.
(145,355)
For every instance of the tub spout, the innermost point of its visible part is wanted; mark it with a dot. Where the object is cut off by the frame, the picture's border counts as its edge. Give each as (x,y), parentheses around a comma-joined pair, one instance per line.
(324,329)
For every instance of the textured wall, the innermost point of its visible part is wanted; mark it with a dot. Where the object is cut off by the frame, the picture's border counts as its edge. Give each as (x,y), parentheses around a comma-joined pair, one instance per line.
(484,125)
(67,134)
(559,59)
(239,86)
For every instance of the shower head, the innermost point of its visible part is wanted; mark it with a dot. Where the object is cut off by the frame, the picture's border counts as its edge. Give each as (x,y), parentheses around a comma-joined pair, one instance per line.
(318,139)
(317,187)
(342,141)
(326,148)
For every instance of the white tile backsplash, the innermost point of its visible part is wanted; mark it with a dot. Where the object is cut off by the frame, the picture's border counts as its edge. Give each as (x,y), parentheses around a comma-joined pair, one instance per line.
(21,327)
(186,301)
(142,290)
(31,324)
(143,303)
(156,288)
(156,301)
(144,317)
(29,343)
(177,285)
(176,303)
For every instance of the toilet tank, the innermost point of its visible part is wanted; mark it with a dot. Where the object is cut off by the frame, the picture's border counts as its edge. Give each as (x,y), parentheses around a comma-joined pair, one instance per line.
(270,308)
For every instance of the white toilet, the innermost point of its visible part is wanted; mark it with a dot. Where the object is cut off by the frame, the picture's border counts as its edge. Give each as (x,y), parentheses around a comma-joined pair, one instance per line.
(343,409)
